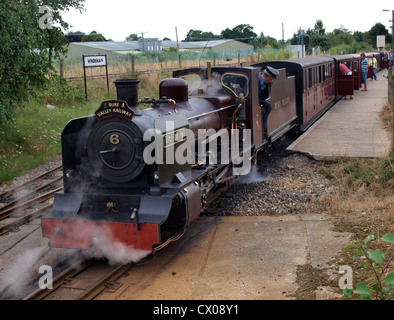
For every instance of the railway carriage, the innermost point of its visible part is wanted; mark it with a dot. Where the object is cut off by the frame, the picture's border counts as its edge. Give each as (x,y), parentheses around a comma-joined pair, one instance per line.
(315,86)
(347,83)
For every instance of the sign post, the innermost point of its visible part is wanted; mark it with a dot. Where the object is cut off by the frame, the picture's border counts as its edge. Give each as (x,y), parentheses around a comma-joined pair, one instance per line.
(94,61)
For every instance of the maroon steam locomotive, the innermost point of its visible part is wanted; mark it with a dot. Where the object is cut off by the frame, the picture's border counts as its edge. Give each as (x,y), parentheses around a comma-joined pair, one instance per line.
(139,177)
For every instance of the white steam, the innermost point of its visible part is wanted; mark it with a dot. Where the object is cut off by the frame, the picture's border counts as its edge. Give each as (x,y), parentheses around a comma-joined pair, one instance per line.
(18,277)
(253,177)
(115,252)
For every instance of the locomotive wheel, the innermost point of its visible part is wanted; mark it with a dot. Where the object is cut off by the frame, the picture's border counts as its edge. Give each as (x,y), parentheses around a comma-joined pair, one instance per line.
(114,150)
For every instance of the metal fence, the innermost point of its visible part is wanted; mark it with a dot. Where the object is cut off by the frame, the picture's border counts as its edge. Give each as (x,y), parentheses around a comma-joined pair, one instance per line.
(149,62)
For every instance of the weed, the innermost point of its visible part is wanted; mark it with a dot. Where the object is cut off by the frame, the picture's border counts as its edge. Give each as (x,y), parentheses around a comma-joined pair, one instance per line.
(381,280)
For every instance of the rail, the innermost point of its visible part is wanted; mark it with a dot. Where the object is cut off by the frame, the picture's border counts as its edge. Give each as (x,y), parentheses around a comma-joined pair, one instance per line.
(19,209)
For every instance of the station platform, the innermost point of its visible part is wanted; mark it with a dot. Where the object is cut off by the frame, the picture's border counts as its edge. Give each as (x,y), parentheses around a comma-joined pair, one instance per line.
(236,258)
(351,128)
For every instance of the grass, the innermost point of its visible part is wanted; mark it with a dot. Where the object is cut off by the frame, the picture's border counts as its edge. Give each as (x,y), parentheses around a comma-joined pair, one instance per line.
(361,186)
(34,137)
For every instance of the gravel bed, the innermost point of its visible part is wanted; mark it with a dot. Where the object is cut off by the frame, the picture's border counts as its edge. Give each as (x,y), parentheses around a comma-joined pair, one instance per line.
(281,184)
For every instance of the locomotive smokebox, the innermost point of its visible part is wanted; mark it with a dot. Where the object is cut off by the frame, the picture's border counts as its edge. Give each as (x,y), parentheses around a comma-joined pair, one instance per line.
(127,90)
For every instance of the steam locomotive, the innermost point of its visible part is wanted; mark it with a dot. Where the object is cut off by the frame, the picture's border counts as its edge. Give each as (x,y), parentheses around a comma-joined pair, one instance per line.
(140,177)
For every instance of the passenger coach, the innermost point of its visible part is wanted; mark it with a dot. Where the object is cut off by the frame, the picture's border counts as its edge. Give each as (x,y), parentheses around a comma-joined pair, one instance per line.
(347,83)
(315,86)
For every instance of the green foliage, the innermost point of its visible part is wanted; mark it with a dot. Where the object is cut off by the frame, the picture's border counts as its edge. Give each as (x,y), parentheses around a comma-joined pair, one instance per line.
(30,41)
(198,35)
(352,175)
(272,55)
(59,91)
(381,282)
(93,36)
(242,32)
(358,174)
(34,136)
(340,40)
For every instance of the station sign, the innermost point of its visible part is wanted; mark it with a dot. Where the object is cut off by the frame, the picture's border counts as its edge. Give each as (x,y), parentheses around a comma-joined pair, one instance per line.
(95,61)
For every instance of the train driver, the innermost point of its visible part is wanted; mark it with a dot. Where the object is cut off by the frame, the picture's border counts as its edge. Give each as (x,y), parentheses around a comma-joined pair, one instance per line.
(266,77)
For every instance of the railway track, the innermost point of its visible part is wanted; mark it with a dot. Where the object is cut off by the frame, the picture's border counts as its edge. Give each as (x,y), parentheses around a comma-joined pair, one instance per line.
(82,281)
(30,200)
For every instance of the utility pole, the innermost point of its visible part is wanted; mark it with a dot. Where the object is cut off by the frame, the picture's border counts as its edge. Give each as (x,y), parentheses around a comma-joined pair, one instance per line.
(177,42)
(143,40)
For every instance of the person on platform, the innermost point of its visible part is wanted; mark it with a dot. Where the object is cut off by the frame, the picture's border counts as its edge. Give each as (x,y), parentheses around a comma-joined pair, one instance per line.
(266,77)
(345,71)
(364,69)
(373,63)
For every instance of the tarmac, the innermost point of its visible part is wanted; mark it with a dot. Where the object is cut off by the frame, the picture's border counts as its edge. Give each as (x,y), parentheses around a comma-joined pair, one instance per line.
(234,258)
(352,128)
(238,258)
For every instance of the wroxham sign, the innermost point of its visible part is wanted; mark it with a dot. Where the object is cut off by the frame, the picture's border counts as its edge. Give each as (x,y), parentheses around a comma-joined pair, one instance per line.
(94,61)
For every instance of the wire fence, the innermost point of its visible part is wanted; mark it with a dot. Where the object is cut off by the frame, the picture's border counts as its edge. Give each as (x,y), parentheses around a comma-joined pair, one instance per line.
(150,62)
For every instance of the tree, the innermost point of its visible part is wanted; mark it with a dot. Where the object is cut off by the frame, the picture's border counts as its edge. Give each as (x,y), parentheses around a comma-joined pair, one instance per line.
(377,30)
(265,41)
(93,36)
(31,38)
(340,36)
(319,28)
(319,41)
(242,32)
(132,37)
(198,35)
(318,37)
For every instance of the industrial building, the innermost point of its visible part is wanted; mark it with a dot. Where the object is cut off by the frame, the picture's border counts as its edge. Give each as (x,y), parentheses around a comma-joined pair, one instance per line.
(119,49)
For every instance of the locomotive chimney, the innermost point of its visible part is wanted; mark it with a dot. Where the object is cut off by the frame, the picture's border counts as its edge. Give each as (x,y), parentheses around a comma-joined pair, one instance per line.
(127,90)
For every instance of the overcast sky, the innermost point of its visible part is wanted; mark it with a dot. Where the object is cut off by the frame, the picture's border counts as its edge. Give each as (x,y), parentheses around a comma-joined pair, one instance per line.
(116,19)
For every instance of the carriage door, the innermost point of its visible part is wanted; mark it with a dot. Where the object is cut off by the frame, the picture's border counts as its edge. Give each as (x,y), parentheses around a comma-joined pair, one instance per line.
(345,81)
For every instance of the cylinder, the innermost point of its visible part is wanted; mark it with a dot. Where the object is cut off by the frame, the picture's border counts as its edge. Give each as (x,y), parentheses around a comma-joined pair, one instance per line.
(127,90)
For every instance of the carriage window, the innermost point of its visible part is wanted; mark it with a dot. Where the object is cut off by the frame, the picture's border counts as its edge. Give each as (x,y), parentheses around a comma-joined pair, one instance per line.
(320,74)
(310,75)
(355,65)
(315,78)
(329,70)
(305,80)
